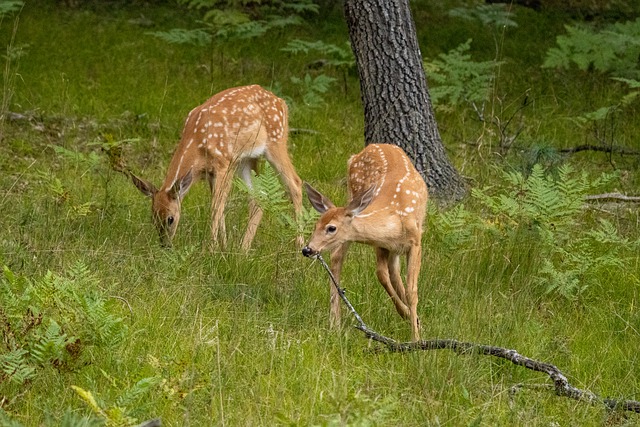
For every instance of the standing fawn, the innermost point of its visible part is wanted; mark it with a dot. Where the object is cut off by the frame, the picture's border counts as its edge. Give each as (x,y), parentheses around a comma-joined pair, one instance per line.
(386,209)
(227,133)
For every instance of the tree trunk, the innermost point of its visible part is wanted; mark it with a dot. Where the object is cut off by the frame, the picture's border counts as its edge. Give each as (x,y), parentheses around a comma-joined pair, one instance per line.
(397,107)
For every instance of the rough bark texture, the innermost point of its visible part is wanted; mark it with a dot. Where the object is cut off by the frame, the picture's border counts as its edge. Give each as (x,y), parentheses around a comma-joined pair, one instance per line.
(397,107)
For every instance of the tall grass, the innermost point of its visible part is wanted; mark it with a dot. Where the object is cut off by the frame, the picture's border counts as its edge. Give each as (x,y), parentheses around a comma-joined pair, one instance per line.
(243,339)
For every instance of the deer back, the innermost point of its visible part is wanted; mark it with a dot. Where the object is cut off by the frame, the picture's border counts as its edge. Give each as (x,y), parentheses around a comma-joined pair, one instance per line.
(387,203)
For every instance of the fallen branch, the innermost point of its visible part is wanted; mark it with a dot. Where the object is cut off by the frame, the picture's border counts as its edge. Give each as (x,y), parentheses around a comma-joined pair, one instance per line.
(601,148)
(614,197)
(561,385)
(156,422)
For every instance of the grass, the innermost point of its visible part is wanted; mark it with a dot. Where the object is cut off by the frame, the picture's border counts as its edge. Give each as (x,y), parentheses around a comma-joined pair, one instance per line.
(234,339)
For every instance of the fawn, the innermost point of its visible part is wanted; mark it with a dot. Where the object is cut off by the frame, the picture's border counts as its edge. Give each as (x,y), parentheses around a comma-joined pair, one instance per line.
(386,210)
(229,133)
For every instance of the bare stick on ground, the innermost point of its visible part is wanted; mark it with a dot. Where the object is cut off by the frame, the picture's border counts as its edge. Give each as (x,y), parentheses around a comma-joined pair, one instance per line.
(561,385)
(614,197)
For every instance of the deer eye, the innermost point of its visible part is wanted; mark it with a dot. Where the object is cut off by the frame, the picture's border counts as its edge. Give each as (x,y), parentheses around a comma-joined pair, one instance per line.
(331,229)
(169,220)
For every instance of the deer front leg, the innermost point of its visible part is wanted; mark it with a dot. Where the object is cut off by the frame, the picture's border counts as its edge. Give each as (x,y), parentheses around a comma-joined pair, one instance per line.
(220,193)
(413,270)
(384,260)
(337,258)
(255,211)
(279,158)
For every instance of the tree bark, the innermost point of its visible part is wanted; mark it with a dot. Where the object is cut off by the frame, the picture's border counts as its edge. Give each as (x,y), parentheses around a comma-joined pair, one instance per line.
(397,107)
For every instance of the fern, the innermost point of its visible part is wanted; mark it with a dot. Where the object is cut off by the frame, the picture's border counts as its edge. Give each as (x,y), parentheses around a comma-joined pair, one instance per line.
(453,229)
(137,391)
(313,88)
(48,321)
(573,268)
(10,6)
(551,206)
(459,80)
(195,37)
(15,366)
(614,49)
(232,22)
(118,414)
(487,14)
(268,192)
(541,200)
(333,55)
(50,346)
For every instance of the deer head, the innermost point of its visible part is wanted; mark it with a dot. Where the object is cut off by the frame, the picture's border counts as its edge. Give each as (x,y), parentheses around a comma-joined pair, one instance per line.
(165,205)
(334,226)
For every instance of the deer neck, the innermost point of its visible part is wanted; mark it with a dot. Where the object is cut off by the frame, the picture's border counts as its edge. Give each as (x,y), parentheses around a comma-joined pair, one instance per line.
(183,160)
(373,226)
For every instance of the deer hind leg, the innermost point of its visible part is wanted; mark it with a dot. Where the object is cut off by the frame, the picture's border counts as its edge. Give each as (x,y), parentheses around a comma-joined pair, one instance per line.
(278,157)
(220,192)
(337,259)
(255,212)
(396,277)
(413,270)
(382,271)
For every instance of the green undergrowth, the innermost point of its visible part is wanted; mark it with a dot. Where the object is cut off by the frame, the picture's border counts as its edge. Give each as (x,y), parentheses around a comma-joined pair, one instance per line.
(102,326)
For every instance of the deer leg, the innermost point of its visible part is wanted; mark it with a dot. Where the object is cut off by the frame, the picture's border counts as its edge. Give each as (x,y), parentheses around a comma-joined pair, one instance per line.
(382,271)
(220,193)
(255,212)
(279,158)
(337,258)
(396,277)
(222,229)
(413,270)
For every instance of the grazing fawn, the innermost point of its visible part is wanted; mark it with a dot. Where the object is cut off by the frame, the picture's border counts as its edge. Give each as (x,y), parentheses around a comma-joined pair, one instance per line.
(228,133)
(386,209)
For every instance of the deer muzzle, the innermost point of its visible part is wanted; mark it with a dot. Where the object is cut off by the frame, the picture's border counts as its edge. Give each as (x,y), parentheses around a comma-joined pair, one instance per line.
(308,252)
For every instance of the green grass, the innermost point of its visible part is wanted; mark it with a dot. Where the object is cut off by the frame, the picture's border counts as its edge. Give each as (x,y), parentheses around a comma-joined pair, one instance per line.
(235,339)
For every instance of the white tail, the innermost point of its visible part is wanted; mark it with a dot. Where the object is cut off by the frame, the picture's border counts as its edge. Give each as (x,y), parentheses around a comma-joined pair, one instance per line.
(228,133)
(386,209)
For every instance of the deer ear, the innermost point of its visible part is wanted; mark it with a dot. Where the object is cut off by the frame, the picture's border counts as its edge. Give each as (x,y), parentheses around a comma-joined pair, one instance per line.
(145,187)
(181,186)
(361,201)
(318,201)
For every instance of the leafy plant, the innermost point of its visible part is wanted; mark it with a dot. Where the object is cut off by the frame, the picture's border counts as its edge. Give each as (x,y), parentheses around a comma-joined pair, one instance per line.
(453,229)
(10,6)
(488,14)
(549,207)
(614,49)
(572,268)
(313,88)
(225,21)
(544,202)
(118,415)
(602,122)
(333,56)
(459,80)
(61,194)
(270,195)
(50,321)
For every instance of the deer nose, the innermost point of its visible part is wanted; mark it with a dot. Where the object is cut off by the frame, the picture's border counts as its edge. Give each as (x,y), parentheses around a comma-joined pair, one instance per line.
(307,251)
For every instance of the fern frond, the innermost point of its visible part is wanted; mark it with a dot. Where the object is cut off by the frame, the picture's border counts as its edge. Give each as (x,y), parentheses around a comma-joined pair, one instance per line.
(50,347)
(137,391)
(15,366)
